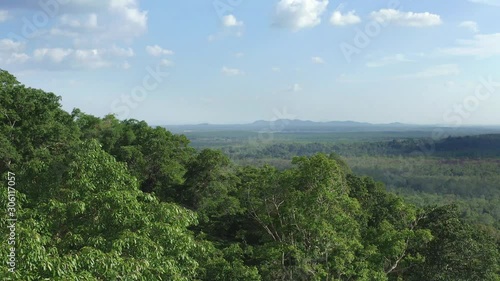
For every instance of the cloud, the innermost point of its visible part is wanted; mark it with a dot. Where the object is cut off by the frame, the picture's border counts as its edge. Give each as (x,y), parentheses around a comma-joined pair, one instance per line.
(232,27)
(299,14)
(17,58)
(231,71)
(231,21)
(471,25)
(166,62)
(295,88)
(157,51)
(276,69)
(121,52)
(88,22)
(481,46)
(134,20)
(439,70)
(239,55)
(341,20)
(8,45)
(71,58)
(79,34)
(435,71)
(63,7)
(398,58)
(125,65)
(406,18)
(56,55)
(4,15)
(317,60)
(12,53)
(13,58)
(487,2)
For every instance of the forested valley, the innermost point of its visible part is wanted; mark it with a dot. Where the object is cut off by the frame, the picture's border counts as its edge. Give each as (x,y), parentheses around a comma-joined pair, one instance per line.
(459,170)
(108,199)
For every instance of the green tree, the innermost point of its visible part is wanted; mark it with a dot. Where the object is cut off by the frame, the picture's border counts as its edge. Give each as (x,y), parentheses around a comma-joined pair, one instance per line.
(308,218)
(93,222)
(7,79)
(458,251)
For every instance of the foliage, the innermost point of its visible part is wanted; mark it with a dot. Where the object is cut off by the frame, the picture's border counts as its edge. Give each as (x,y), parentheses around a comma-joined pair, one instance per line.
(108,199)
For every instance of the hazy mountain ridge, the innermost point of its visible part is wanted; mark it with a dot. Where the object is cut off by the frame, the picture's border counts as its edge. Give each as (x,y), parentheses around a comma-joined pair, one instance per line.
(307,126)
(294,125)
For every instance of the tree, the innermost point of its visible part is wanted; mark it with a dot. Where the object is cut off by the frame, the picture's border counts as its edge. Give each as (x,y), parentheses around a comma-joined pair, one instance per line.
(458,250)
(308,218)
(94,223)
(390,228)
(7,79)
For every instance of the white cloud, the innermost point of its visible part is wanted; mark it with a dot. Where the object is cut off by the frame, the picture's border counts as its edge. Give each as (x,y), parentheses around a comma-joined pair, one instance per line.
(229,32)
(56,55)
(73,6)
(81,34)
(166,62)
(231,71)
(55,31)
(231,21)
(295,88)
(87,21)
(90,23)
(18,58)
(8,45)
(435,71)
(232,27)
(318,60)
(134,19)
(158,51)
(9,58)
(386,16)
(70,58)
(487,2)
(398,58)
(299,14)
(482,46)
(125,65)
(471,25)
(121,52)
(276,69)
(93,57)
(341,20)
(4,15)
(239,54)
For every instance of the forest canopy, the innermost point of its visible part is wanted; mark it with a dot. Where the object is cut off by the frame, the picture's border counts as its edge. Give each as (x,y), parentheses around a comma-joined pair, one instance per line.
(108,199)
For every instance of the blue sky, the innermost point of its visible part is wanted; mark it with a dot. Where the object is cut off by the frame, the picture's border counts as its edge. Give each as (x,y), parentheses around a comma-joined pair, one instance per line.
(237,61)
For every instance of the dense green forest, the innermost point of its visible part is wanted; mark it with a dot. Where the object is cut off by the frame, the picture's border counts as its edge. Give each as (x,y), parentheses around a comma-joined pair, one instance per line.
(108,199)
(461,170)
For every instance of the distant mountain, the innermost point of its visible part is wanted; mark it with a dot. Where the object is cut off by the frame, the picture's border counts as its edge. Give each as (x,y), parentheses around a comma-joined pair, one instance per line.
(294,125)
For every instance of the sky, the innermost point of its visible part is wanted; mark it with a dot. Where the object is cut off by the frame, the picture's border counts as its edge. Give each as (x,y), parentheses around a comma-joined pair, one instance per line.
(237,61)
